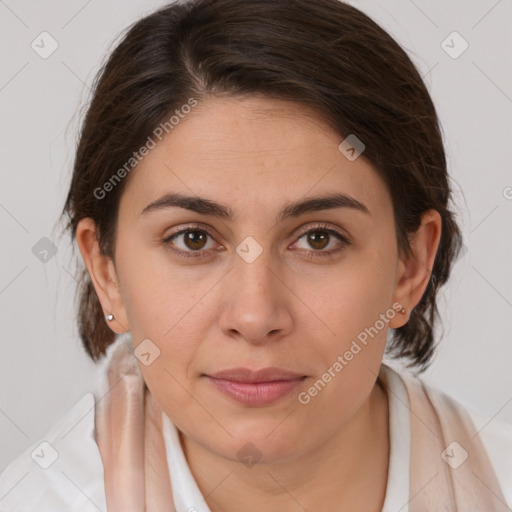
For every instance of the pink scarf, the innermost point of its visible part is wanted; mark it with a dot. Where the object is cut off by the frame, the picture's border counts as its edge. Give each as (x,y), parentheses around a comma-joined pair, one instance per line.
(130,440)
(129,436)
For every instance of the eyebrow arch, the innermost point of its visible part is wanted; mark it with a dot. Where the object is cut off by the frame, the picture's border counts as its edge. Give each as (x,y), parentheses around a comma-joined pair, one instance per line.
(208,207)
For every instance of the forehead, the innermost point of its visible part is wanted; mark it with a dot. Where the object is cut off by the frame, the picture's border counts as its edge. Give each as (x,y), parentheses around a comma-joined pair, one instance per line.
(253,154)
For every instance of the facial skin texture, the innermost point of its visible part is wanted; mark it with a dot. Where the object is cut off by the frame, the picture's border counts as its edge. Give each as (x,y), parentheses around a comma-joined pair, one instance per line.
(284,309)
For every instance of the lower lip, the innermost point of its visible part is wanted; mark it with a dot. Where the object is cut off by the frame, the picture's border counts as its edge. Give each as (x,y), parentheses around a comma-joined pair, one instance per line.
(257,393)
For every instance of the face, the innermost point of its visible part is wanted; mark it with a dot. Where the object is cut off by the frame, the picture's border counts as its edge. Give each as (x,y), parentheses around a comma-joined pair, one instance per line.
(255,283)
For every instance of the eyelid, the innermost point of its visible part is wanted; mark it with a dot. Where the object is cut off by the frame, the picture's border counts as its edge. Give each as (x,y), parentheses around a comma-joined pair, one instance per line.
(323,225)
(191,227)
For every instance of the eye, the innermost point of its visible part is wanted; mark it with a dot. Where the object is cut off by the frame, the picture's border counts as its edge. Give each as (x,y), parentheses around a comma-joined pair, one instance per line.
(188,241)
(192,242)
(320,237)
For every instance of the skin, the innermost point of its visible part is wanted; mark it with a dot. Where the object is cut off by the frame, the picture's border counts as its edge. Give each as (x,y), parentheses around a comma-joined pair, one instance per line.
(284,309)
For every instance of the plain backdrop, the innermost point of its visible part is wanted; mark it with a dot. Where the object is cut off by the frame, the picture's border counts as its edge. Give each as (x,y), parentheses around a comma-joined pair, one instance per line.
(43,367)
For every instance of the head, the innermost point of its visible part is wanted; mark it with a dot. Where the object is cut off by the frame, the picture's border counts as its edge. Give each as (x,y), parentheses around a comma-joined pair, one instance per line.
(261,184)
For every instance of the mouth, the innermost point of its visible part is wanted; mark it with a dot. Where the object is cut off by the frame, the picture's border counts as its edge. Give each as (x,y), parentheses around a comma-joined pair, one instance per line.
(255,388)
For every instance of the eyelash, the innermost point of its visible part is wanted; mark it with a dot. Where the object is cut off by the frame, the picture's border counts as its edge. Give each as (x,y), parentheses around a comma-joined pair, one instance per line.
(310,254)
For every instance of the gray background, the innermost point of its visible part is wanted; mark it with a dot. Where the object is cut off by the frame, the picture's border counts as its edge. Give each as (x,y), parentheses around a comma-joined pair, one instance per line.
(43,368)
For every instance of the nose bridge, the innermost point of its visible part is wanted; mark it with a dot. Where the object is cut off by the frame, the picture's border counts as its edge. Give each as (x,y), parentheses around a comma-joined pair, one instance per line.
(253,265)
(254,305)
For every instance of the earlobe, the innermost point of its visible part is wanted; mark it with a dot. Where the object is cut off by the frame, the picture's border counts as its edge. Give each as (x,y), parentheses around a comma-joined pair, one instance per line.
(414,271)
(103,275)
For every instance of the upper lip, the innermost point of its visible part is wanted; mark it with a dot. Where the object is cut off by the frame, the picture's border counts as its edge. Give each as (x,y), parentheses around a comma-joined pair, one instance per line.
(264,375)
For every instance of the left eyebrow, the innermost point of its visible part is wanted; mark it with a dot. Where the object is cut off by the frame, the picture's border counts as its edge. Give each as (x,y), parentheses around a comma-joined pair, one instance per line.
(327,202)
(206,206)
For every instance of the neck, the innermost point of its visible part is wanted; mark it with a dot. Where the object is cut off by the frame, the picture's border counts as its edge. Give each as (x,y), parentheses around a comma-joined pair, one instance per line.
(349,468)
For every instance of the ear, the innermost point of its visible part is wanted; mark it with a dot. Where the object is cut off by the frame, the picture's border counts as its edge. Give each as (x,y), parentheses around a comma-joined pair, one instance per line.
(414,271)
(103,275)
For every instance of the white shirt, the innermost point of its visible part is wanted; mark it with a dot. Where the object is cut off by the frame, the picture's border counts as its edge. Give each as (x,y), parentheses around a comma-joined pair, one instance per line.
(63,472)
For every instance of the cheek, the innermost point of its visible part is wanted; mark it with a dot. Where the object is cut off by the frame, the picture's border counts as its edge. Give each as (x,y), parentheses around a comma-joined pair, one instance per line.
(347,360)
(163,308)
(355,296)
(166,310)
(158,294)
(356,306)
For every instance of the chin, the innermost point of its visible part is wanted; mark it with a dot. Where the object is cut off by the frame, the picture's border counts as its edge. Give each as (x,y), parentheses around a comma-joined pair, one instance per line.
(262,442)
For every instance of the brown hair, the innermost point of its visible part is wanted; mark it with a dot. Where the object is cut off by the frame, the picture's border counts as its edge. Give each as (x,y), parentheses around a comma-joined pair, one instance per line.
(324,54)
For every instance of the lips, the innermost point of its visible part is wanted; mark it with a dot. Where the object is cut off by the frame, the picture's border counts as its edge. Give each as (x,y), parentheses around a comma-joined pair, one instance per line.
(264,375)
(255,388)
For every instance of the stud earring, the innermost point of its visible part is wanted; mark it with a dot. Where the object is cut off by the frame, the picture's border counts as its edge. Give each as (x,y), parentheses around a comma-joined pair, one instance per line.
(403,311)
(110,317)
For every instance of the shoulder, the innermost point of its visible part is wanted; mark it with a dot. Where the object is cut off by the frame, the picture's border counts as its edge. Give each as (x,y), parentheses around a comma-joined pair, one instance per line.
(495,434)
(61,471)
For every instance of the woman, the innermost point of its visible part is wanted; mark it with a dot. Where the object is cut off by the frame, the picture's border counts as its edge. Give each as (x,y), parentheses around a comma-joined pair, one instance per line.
(261,200)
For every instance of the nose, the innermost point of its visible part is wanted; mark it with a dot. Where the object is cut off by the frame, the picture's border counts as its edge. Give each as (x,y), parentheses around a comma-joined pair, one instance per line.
(257,301)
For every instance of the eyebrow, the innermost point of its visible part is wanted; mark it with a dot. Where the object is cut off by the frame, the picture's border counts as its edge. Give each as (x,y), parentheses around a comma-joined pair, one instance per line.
(206,206)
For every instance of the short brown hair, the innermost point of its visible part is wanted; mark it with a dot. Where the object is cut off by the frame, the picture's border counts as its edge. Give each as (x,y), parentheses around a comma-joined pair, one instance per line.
(323,53)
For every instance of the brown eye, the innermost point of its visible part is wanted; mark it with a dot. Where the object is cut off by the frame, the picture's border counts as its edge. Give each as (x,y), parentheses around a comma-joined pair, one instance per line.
(189,242)
(318,239)
(195,239)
